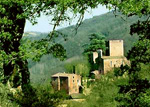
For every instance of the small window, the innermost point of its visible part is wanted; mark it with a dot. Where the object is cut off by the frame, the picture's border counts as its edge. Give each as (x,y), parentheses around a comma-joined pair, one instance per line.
(73,76)
(110,63)
(73,80)
(122,62)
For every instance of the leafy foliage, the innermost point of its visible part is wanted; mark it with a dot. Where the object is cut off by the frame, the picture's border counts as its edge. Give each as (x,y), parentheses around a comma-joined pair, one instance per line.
(138,54)
(79,66)
(41,96)
(14,54)
(96,42)
(120,71)
(6,97)
(33,97)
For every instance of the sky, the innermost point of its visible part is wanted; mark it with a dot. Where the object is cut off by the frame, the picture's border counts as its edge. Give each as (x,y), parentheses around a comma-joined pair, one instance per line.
(44,26)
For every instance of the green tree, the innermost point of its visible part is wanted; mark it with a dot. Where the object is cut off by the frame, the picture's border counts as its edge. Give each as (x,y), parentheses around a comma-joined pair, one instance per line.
(78,66)
(138,55)
(96,42)
(138,81)
(13,51)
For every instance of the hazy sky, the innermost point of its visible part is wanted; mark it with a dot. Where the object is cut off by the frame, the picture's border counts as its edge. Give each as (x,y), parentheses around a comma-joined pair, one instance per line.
(44,26)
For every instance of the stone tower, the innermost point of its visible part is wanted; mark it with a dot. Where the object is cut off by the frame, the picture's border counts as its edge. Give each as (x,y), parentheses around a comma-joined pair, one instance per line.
(116,48)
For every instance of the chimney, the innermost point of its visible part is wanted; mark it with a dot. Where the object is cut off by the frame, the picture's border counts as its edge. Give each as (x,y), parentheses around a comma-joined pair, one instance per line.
(74,69)
(100,53)
(95,55)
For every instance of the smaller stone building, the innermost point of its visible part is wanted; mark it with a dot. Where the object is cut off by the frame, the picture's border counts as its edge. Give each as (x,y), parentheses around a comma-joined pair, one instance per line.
(67,82)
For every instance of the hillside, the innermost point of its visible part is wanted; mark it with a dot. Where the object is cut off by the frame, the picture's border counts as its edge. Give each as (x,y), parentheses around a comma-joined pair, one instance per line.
(107,24)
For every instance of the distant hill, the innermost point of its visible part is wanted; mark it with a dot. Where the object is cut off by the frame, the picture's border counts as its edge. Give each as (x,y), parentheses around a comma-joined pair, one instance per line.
(107,24)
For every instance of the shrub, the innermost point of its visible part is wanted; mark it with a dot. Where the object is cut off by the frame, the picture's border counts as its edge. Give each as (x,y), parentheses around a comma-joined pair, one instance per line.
(120,71)
(40,97)
(81,67)
(6,97)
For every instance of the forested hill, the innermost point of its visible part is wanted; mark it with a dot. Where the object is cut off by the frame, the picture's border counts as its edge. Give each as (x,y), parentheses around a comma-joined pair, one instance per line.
(113,27)
(110,26)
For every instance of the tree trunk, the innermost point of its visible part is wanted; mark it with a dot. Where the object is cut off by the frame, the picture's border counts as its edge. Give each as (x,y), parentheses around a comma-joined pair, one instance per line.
(12,44)
(8,68)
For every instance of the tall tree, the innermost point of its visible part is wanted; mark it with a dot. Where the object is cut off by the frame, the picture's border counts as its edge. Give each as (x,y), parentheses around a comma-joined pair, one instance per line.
(138,55)
(96,42)
(13,14)
(14,54)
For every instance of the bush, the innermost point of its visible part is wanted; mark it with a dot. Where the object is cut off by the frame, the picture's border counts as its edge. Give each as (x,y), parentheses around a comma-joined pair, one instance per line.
(120,71)
(6,97)
(144,73)
(144,99)
(81,67)
(136,92)
(40,97)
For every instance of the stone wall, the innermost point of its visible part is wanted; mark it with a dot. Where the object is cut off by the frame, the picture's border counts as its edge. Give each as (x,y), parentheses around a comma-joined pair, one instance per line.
(109,64)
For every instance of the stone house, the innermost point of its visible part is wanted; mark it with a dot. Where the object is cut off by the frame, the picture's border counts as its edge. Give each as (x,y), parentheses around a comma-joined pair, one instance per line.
(67,82)
(115,56)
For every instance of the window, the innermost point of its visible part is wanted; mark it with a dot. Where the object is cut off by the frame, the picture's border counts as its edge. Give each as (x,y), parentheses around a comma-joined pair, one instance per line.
(73,80)
(110,63)
(122,62)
